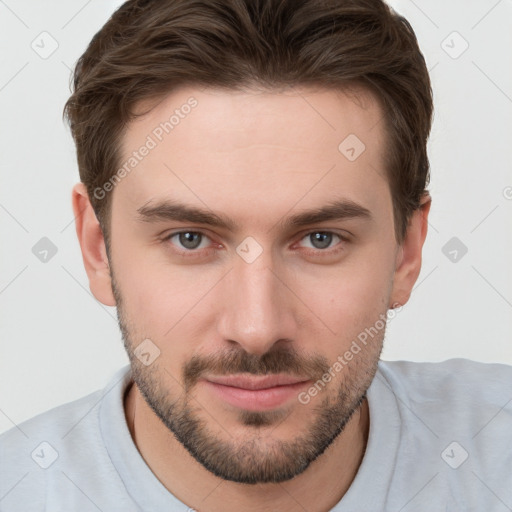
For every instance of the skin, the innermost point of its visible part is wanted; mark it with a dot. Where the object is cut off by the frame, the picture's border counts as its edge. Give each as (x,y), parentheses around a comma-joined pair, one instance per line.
(257,158)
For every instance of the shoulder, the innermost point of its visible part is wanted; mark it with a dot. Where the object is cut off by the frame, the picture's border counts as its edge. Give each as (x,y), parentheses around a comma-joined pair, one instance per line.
(452,380)
(450,370)
(55,419)
(456,394)
(58,421)
(38,452)
(455,416)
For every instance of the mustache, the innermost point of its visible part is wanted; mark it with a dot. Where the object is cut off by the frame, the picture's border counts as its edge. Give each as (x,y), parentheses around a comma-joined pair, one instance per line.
(240,361)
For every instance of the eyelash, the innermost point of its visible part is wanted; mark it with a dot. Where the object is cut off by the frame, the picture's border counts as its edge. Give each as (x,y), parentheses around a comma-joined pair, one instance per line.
(198,253)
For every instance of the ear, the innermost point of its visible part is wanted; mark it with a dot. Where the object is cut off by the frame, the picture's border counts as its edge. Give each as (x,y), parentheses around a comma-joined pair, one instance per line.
(408,259)
(92,244)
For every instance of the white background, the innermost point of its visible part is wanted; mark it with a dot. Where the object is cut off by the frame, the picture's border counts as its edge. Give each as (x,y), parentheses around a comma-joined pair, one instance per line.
(58,343)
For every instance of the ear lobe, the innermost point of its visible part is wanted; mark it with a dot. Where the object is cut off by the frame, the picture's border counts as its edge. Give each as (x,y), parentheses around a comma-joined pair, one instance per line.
(408,260)
(92,245)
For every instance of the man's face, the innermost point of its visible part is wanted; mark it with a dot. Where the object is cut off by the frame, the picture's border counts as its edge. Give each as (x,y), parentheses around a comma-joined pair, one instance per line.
(255,295)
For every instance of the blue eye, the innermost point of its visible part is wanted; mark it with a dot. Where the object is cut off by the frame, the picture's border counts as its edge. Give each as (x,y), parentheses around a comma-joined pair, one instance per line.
(195,244)
(321,240)
(189,240)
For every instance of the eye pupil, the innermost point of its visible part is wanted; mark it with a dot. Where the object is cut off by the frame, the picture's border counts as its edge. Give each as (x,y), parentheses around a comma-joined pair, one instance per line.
(323,239)
(190,240)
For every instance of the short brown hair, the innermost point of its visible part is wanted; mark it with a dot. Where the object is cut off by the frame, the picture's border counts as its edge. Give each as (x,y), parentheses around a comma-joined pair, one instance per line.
(148,48)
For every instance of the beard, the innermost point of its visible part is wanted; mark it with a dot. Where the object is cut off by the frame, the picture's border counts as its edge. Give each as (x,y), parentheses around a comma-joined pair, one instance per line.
(254,457)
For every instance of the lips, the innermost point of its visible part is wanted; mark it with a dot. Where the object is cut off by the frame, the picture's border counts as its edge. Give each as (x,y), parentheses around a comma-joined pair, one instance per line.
(255,392)
(255,382)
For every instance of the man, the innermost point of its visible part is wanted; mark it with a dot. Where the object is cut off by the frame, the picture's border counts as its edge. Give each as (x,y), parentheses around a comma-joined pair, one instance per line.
(253,200)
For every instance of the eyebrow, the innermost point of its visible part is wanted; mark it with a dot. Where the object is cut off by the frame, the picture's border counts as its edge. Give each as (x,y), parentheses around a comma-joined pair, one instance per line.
(167,210)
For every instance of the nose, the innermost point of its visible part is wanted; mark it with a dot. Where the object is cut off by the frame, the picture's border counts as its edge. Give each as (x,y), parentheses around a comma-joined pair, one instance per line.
(258,309)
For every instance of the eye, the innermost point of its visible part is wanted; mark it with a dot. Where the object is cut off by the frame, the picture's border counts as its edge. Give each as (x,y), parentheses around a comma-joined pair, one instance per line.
(188,240)
(195,243)
(322,240)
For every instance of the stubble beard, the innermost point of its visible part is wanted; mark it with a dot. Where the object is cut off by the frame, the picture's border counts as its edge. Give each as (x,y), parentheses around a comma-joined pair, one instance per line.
(258,457)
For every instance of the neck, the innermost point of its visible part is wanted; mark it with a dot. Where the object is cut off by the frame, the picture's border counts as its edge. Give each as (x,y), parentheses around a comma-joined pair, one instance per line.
(319,488)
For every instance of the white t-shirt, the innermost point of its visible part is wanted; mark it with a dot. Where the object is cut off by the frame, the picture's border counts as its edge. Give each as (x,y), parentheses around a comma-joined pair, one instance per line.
(440,440)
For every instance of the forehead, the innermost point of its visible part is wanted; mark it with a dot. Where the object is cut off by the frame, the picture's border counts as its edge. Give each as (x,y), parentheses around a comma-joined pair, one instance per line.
(255,147)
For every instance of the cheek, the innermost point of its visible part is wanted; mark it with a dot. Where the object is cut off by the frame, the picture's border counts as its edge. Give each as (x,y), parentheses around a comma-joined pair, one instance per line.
(350,298)
(165,303)
(148,294)
(155,301)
